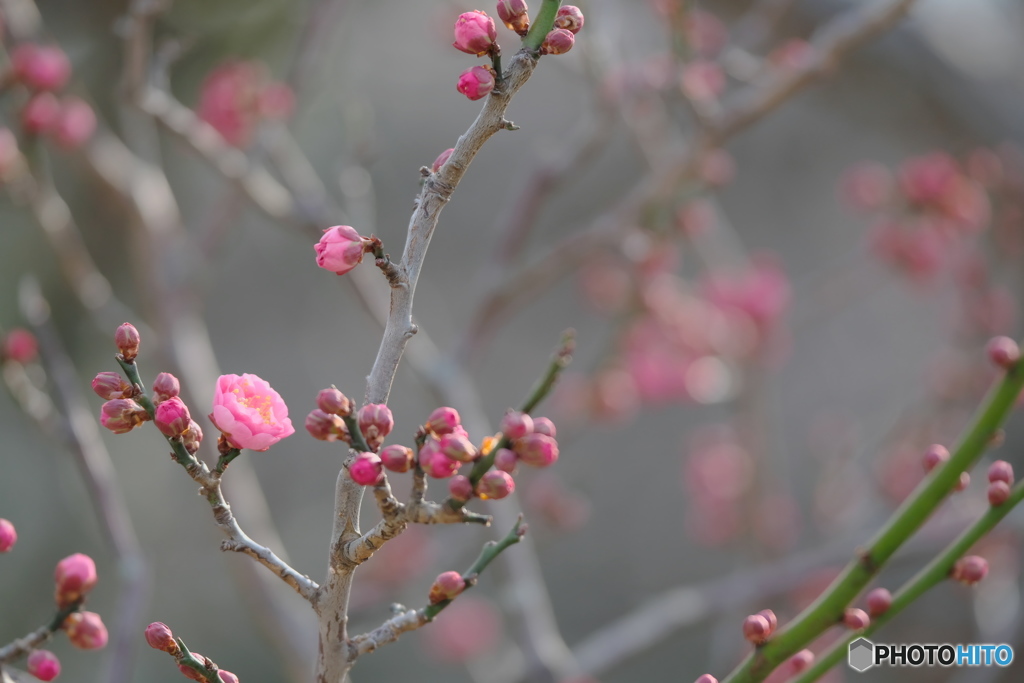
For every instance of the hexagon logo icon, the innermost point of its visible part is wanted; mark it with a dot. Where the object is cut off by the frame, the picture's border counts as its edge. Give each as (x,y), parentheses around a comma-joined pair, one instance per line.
(862,655)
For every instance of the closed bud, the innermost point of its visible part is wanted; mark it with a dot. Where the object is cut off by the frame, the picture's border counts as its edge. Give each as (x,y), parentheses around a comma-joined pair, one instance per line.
(506,460)
(756,629)
(476,82)
(160,637)
(558,42)
(935,456)
(460,488)
(516,425)
(121,415)
(326,427)
(458,447)
(172,417)
(127,340)
(1000,470)
(495,485)
(43,664)
(20,345)
(963,482)
(192,437)
(856,619)
(998,493)
(397,458)
(543,425)
(333,402)
(970,570)
(340,249)
(570,18)
(443,420)
(75,576)
(226,676)
(8,535)
(515,15)
(86,630)
(376,416)
(537,450)
(879,601)
(447,586)
(706,678)
(1003,352)
(165,386)
(41,67)
(773,621)
(475,33)
(110,385)
(435,463)
(366,469)
(801,661)
(441,160)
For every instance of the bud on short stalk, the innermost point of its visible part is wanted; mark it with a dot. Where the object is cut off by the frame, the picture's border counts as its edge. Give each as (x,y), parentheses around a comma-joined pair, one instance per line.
(160,637)
(569,18)
(443,420)
(856,619)
(558,42)
(86,631)
(879,600)
(127,340)
(447,586)
(172,417)
(460,488)
(516,425)
(165,386)
(475,33)
(333,402)
(970,570)
(495,485)
(397,458)
(366,469)
(515,15)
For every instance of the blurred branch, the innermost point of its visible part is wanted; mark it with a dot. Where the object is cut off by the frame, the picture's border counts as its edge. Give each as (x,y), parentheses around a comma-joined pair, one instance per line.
(81,436)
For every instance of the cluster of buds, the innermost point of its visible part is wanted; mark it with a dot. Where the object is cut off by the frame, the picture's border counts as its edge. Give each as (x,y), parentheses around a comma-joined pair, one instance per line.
(236,96)
(43,70)
(325,423)
(562,37)
(758,628)
(19,345)
(160,637)
(75,576)
(970,570)
(1000,479)
(531,440)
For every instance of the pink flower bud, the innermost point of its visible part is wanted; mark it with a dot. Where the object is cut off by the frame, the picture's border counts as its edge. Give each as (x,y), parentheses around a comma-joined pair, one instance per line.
(8,535)
(558,42)
(441,160)
(397,458)
(1003,352)
(20,345)
(935,456)
(516,425)
(75,125)
(121,415)
(963,482)
(998,493)
(856,619)
(75,576)
(1000,470)
(506,460)
(339,250)
(970,570)
(40,113)
(41,67)
(333,402)
(706,678)
(801,661)
(537,450)
(127,341)
(366,469)
(570,18)
(879,600)
(495,485)
(458,447)
(192,437)
(773,621)
(160,637)
(756,629)
(475,33)
(515,15)
(43,664)
(325,427)
(227,676)
(543,425)
(376,416)
(172,417)
(443,420)
(109,385)
(165,386)
(476,82)
(447,586)
(435,463)
(86,630)
(460,488)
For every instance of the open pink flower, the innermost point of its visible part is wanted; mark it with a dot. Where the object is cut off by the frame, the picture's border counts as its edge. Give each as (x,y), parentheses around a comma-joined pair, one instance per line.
(249,412)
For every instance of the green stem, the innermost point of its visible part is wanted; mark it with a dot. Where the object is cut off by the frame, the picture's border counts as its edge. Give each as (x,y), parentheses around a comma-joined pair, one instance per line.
(490,551)
(934,573)
(186,658)
(828,609)
(23,646)
(542,24)
(355,434)
(225,460)
(131,370)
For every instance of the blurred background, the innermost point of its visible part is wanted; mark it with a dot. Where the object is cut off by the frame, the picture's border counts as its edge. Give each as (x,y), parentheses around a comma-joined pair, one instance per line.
(763,354)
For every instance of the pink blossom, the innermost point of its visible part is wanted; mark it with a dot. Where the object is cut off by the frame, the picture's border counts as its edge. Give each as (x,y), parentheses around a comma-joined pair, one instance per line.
(516,424)
(495,485)
(165,386)
(557,42)
(443,420)
(397,458)
(366,469)
(458,447)
(927,178)
(249,412)
(160,637)
(435,463)
(75,125)
(506,460)
(20,345)
(460,488)
(41,67)
(537,450)
(339,250)
(8,535)
(172,417)
(446,586)
(475,33)
(515,15)
(43,664)
(127,341)
(227,676)
(75,576)
(760,291)
(570,18)
(86,630)
(121,415)
(476,82)
(236,95)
